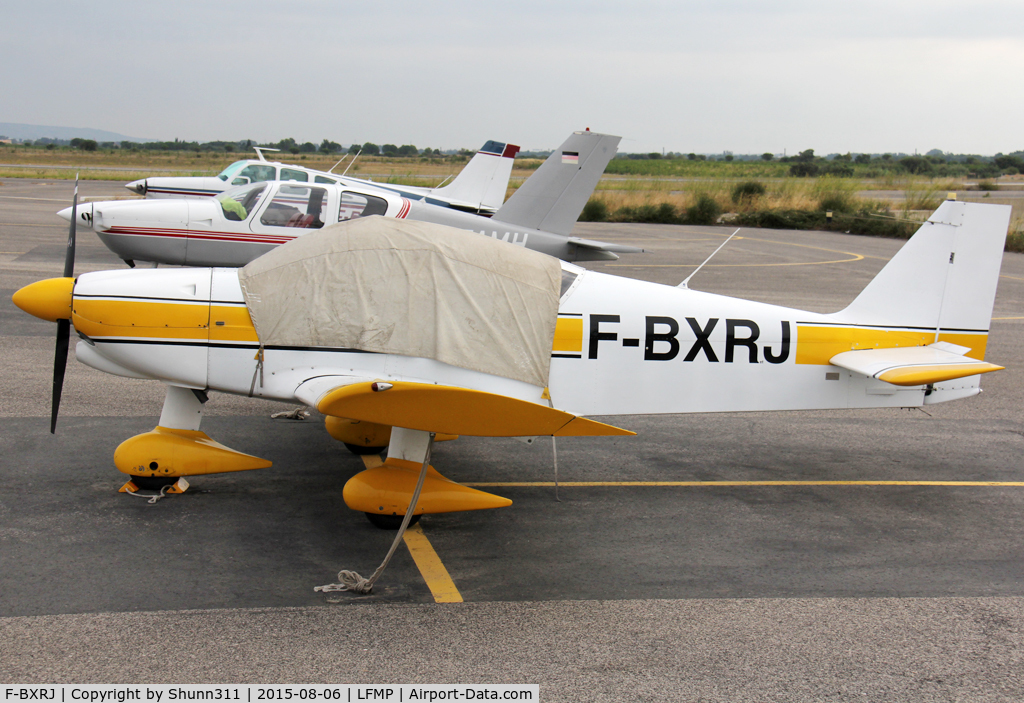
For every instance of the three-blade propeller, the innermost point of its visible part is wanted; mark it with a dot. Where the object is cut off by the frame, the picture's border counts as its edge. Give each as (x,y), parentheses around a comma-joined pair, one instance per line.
(60,354)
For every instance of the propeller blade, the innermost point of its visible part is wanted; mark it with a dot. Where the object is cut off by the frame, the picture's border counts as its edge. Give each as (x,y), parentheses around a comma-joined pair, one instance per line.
(69,257)
(60,363)
(60,353)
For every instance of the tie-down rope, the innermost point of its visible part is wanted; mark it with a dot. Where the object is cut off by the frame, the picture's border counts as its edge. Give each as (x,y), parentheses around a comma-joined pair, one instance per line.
(353,582)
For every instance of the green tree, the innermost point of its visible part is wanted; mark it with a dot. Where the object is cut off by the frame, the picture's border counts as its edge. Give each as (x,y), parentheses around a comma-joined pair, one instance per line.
(370,149)
(329,147)
(767,156)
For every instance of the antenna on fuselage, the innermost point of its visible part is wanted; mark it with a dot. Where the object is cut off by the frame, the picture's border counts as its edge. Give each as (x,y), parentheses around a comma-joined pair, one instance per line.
(261,149)
(694,273)
(331,169)
(351,162)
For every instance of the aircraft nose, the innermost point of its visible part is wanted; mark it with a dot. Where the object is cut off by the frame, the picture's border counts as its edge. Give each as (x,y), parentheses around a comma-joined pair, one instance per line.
(49,299)
(138,186)
(84,214)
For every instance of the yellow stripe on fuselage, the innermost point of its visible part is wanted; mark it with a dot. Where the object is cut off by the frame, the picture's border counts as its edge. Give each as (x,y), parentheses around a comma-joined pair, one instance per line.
(816,345)
(568,335)
(148,319)
(237,325)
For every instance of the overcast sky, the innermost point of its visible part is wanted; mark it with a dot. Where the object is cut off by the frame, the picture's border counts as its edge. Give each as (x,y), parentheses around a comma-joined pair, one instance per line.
(746,76)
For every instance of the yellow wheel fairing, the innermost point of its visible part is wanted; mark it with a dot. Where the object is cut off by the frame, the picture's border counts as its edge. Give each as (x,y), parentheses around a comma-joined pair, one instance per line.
(165,451)
(357,432)
(387,490)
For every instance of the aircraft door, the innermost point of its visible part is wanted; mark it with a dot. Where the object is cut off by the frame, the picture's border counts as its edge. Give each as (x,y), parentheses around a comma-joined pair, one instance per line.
(217,228)
(293,210)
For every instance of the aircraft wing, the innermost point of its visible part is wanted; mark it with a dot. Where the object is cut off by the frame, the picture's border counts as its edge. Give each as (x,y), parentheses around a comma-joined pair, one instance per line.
(913,366)
(604,246)
(447,409)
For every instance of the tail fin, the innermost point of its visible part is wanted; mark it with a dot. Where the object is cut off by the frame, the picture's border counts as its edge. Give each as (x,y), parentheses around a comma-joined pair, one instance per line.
(944,278)
(482,184)
(553,197)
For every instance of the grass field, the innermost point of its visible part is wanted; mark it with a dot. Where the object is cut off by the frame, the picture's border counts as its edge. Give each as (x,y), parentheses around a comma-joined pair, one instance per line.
(627,190)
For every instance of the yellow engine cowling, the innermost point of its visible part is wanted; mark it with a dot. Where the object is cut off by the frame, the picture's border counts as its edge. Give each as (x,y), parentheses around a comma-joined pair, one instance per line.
(171,452)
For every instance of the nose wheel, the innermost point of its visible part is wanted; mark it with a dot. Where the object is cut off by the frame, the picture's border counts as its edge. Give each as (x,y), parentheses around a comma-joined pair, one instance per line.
(152,483)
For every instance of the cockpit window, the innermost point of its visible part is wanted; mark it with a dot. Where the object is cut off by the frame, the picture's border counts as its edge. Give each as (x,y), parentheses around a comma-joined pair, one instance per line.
(296,206)
(256,173)
(568,277)
(229,173)
(355,205)
(291,174)
(238,203)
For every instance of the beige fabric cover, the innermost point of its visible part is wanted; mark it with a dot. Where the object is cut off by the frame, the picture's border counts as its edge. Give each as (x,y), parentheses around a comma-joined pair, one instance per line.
(412,288)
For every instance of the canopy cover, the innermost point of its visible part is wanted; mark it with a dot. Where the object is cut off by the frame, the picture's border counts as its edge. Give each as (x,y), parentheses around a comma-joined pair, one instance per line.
(412,288)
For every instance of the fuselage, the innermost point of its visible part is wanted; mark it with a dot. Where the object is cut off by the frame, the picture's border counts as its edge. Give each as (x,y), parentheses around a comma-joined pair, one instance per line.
(243,223)
(257,171)
(621,347)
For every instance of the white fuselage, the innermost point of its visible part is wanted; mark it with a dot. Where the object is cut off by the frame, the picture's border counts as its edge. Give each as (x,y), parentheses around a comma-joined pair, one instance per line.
(622,347)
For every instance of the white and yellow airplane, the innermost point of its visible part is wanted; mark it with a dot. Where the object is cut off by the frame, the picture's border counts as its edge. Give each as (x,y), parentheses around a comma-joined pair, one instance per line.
(395,330)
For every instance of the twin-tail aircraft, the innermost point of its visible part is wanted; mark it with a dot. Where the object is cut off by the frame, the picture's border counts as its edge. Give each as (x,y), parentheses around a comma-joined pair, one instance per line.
(400,331)
(478,188)
(243,223)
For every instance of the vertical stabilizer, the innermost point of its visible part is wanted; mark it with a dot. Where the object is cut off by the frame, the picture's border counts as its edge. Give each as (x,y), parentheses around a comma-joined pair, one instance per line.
(484,181)
(944,277)
(553,197)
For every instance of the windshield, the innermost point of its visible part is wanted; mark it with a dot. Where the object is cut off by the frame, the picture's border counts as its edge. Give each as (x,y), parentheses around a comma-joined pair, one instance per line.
(238,203)
(231,170)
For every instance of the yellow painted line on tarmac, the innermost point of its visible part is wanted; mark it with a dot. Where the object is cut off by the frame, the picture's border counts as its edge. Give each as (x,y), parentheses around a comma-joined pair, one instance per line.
(853,257)
(711,484)
(438,581)
(1008,318)
(857,257)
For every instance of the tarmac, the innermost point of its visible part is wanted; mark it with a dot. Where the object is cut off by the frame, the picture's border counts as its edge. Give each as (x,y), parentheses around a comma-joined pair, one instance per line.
(827,555)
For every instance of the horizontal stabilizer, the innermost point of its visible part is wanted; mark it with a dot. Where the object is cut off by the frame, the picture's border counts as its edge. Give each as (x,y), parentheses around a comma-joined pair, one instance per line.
(605,246)
(913,366)
(461,411)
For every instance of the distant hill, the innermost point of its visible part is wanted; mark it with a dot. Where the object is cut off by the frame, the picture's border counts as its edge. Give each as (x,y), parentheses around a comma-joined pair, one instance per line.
(16,130)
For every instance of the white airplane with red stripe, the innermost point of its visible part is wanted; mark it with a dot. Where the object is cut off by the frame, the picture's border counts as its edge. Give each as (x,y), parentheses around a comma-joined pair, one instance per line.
(245,222)
(478,188)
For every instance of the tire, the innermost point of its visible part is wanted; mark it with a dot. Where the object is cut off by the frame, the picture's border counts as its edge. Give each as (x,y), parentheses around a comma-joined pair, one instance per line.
(360,450)
(390,522)
(153,483)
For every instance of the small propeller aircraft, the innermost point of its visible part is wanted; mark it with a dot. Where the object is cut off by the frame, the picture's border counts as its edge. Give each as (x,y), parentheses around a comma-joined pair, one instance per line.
(398,331)
(478,188)
(247,221)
